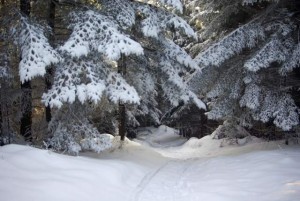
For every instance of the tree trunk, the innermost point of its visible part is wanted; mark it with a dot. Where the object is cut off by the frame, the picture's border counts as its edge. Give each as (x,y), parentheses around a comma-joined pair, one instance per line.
(4,114)
(26,99)
(26,108)
(50,70)
(203,123)
(1,119)
(25,7)
(122,108)
(122,121)
(49,74)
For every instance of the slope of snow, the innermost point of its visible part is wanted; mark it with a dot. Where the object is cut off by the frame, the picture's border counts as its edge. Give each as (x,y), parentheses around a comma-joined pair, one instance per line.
(31,174)
(199,169)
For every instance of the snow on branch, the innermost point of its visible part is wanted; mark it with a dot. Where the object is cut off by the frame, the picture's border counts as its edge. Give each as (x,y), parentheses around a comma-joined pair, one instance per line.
(95,32)
(178,66)
(150,24)
(246,36)
(173,51)
(36,52)
(199,103)
(251,97)
(287,113)
(119,90)
(157,20)
(120,10)
(280,108)
(274,51)
(171,3)
(247,2)
(75,79)
(175,94)
(181,24)
(174,75)
(221,109)
(292,62)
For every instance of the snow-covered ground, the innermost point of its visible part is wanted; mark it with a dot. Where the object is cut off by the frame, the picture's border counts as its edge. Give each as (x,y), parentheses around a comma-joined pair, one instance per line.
(159,166)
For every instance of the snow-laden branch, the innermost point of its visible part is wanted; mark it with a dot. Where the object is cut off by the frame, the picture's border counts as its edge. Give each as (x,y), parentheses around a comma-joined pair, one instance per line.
(274,51)
(95,32)
(157,20)
(170,3)
(36,52)
(292,62)
(174,3)
(75,79)
(119,90)
(281,109)
(246,36)
(121,11)
(251,97)
(173,51)
(246,2)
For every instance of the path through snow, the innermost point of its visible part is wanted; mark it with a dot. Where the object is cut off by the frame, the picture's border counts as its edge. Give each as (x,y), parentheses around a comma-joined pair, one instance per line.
(263,176)
(231,173)
(163,168)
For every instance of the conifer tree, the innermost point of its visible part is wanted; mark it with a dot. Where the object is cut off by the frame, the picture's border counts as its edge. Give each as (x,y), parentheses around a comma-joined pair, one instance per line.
(136,33)
(35,53)
(245,70)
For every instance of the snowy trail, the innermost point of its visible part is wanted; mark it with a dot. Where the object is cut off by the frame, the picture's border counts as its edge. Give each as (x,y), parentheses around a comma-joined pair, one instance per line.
(202,170)
(156,186)
(229,178)
(167,182)
(197,170)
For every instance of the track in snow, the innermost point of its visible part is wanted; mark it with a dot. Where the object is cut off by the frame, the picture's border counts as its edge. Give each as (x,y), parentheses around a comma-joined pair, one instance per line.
(167,183)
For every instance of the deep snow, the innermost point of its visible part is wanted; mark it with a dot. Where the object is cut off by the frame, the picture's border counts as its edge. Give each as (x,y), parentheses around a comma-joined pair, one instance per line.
(159,166)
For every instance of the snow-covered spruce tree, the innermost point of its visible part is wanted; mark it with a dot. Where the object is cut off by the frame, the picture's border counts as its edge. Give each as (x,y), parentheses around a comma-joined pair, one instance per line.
(35,56)
(247,73)
(119,51)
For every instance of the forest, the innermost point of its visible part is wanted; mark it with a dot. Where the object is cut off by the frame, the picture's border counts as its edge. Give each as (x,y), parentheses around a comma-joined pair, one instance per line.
(73,70)
(149,100)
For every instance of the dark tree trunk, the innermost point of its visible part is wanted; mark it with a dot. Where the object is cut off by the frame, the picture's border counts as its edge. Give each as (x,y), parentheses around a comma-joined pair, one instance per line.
(4,115)
(51,16)
(203,123)
(122,121)
(26,108)
(50,70)
(2,111)
(122,108)
(49,74)
(26,101)
(25,7)
(1,121)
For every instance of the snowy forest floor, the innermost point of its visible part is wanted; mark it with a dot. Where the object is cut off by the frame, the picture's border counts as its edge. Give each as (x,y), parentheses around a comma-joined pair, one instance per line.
(158,166)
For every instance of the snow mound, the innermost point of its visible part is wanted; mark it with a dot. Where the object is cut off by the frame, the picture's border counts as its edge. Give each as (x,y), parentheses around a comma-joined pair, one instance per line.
(210,147)
(192,143)
(29,174)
